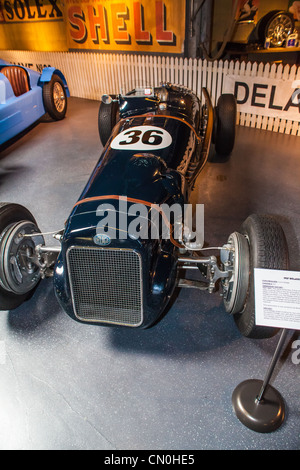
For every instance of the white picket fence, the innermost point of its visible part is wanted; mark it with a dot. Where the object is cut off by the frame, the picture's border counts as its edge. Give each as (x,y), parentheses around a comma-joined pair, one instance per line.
(89,75)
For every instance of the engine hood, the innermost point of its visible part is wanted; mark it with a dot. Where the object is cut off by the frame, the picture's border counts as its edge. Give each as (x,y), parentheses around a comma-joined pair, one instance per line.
(155,278)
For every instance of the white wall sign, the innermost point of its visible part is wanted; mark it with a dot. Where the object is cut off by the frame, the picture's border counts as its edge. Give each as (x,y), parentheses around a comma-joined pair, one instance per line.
(277,298)
(265,96)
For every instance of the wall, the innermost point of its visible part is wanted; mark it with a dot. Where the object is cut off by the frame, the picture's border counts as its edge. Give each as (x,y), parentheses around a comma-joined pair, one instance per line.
(268,95)
(99,25)
(222,14)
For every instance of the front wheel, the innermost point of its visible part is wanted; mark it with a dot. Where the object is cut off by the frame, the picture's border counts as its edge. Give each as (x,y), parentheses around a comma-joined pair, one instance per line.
(266,248)
(19,235)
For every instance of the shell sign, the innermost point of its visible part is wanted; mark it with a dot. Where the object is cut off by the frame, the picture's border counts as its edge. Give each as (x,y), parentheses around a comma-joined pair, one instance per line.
(155,26)
(104,25)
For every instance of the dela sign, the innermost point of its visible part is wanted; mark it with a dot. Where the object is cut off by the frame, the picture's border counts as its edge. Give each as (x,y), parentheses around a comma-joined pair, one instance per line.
(265,96)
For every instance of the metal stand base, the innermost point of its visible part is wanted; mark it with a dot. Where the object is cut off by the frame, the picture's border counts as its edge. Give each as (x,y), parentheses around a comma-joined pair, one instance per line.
(265,415)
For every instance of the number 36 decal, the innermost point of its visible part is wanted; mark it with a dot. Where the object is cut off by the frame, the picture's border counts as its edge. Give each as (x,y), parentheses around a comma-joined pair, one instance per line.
(142,138)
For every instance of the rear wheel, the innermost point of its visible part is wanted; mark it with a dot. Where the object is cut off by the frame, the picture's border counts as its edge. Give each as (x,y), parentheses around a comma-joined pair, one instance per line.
(19,235)
(55,98)
(224,125)
(267,248)
(107,119)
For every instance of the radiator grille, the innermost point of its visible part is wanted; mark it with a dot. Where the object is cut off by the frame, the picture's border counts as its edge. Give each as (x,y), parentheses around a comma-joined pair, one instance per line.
(106,285)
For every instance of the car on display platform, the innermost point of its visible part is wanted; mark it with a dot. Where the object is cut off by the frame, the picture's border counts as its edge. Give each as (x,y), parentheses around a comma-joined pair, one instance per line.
(107,269)
(26,95)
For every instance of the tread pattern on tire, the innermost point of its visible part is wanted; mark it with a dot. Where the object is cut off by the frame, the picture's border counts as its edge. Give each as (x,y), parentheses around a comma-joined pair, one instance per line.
(107,117)
(224,134)
(268,251)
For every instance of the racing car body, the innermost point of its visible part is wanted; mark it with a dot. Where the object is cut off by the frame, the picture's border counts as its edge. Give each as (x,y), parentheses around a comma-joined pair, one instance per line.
(114,268)
(26,95)
(146,160)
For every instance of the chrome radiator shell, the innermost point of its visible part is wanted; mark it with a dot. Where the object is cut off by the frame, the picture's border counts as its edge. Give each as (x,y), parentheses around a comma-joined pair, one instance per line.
(106,285)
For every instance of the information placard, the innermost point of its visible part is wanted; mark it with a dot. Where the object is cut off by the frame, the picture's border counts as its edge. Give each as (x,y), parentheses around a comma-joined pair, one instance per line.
(277,298)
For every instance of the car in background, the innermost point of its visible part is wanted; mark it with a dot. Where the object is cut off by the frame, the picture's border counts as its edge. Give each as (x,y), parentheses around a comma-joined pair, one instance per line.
(274,28)
(26,95)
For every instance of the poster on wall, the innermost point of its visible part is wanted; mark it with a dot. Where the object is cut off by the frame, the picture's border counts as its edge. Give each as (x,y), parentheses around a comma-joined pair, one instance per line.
(91,25)
(14,11)
(36,25)
(294,8)
(248,10)
(146,25)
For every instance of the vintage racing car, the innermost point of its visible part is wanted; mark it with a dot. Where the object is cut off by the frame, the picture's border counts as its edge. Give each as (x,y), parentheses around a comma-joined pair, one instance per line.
(156,141)
(26,95)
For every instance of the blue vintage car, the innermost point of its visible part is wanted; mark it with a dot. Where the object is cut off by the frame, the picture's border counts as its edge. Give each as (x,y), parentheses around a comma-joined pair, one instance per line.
(115,267)
(26,95)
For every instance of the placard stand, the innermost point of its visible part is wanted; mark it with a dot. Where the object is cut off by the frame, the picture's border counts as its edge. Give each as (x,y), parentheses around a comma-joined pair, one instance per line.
(257,404)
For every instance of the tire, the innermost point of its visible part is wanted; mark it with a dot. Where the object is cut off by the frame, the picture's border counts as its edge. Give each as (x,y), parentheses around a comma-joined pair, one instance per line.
(11,215)
(224,125)
(55,98)
(107,119)
(268,250)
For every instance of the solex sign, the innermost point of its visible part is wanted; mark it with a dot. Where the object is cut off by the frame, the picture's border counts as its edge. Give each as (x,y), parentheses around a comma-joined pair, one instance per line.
(265,96)
(31,10)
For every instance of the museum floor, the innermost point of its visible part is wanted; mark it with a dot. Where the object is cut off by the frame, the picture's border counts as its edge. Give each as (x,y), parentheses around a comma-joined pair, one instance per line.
(65,385)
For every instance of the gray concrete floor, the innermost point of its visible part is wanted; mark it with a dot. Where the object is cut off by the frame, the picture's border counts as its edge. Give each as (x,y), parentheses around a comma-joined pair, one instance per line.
(65,385)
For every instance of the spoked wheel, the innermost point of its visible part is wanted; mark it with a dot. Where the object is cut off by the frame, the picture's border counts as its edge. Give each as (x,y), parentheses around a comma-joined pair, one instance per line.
(276,25)
(279,27)
(19,235)
(107,119)
(55,98)
(260,243)
(224,125)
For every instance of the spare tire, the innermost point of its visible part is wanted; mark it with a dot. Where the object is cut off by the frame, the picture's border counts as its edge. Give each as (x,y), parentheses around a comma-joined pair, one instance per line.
(55,98)
(276,25)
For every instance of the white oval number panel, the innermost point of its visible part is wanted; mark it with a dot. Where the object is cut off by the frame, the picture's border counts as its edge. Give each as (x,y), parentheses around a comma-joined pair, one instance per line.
(142,138)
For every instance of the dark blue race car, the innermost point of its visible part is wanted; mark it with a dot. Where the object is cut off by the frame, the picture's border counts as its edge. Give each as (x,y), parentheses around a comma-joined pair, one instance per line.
(26,95)
(123,249)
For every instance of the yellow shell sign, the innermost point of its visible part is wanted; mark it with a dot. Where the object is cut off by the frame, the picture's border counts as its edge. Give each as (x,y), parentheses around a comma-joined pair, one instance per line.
(105,25)
(157,26)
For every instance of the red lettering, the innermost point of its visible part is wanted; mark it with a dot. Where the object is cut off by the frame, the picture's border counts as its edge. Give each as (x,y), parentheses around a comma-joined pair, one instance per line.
(77,21)
(141,36)
(120,13)
(97,22)
(162,36)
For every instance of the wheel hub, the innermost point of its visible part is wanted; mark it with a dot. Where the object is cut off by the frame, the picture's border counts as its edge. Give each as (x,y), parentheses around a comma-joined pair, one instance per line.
(17,271)
(59,97)
(235,287)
